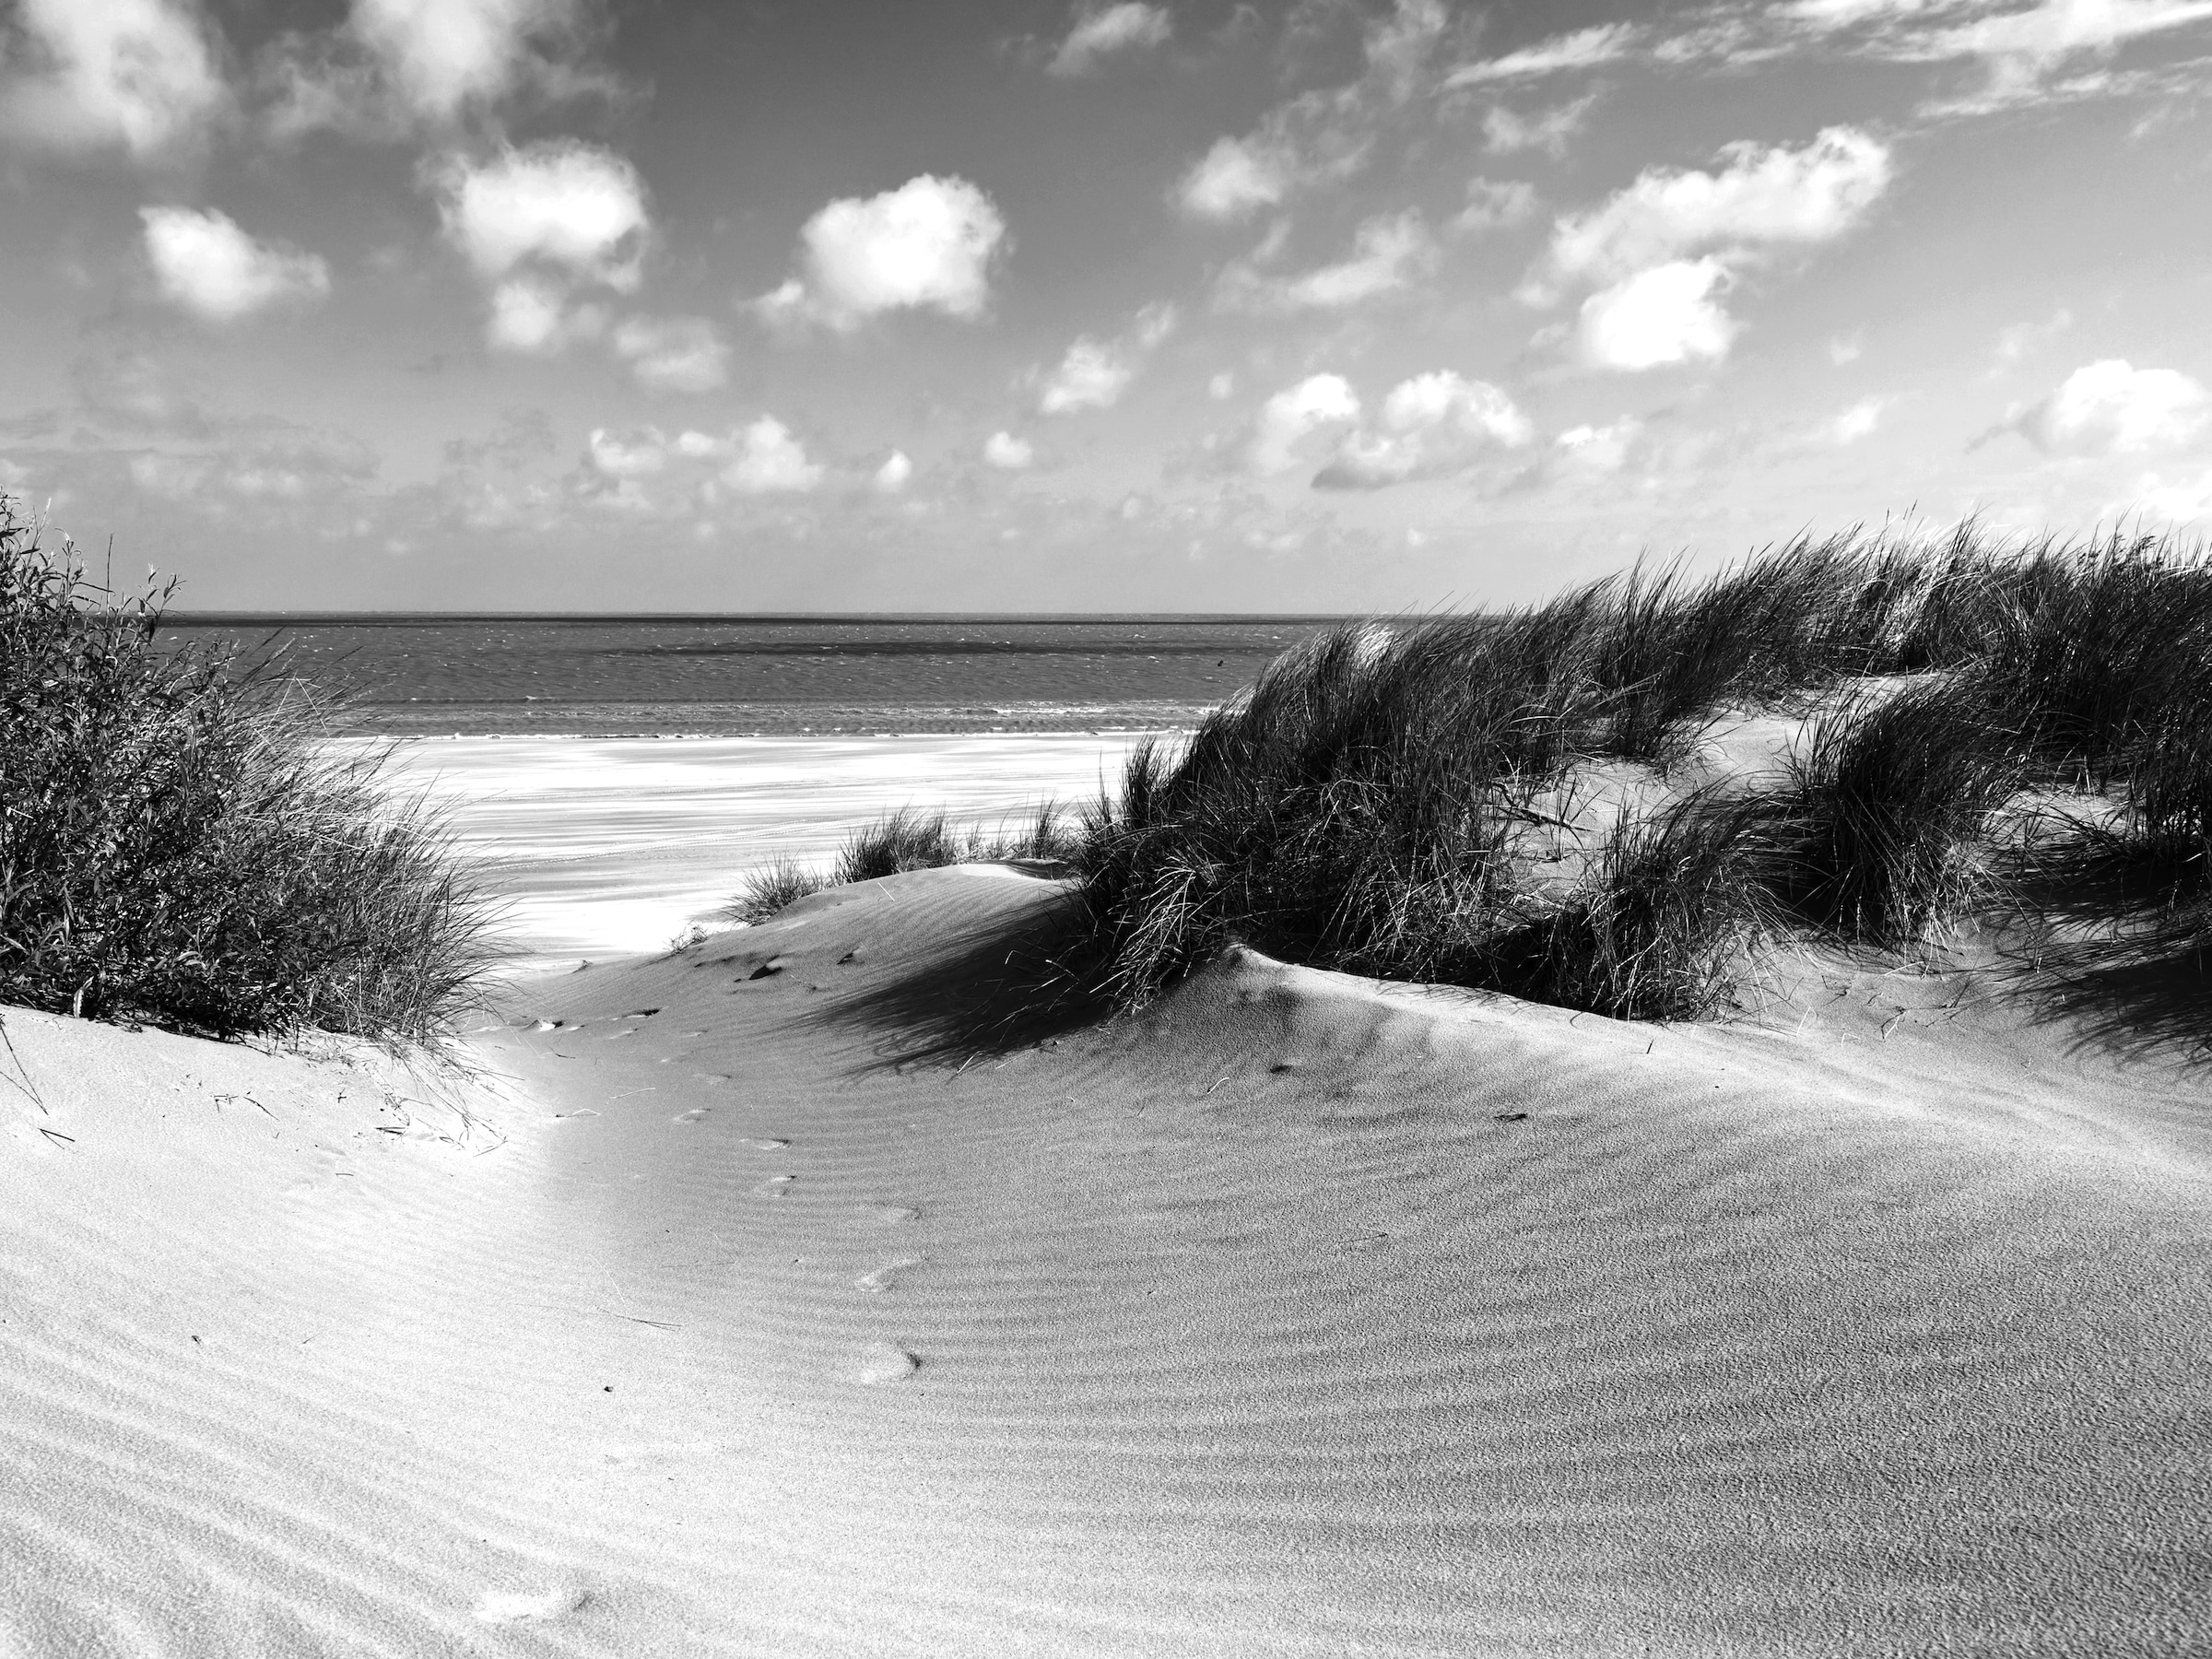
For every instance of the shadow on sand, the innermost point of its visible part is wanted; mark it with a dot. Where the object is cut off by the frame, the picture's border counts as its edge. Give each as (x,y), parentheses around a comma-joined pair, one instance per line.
(2136,1000)
(1005,984)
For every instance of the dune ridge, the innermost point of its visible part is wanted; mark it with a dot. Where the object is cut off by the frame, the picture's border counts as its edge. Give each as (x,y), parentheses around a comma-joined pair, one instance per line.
(1300,1316)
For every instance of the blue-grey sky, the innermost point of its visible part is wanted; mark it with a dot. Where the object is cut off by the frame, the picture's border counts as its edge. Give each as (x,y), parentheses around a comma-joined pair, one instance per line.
(1010,304)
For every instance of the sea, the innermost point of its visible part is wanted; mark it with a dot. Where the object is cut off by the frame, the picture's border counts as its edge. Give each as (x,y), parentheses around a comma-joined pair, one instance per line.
(697,675)
(612,779)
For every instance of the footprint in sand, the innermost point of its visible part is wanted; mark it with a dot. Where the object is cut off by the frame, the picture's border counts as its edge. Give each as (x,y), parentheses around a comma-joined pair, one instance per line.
(510,1606)
(880,1280)
(697,1114)
(884,1362)
(775,1186)
(895,1215)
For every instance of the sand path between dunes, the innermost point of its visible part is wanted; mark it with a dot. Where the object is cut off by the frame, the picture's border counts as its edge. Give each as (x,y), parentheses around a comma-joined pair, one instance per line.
(1298,1317)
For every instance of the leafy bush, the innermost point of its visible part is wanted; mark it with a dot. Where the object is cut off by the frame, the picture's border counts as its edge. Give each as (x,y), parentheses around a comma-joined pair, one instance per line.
(178,845)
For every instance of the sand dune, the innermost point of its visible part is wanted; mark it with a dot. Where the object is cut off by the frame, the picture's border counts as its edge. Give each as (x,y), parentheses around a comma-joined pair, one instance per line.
(750,1304)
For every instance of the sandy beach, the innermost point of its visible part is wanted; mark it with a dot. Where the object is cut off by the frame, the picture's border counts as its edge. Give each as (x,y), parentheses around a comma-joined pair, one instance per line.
(740,1305)
(600,847)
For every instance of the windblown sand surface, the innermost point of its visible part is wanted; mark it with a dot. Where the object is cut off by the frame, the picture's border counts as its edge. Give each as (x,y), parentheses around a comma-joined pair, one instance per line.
(753,1309)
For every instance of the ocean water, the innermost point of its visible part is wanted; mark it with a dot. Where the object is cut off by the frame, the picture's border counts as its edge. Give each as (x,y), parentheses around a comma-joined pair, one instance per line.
(763,675)
(615,778)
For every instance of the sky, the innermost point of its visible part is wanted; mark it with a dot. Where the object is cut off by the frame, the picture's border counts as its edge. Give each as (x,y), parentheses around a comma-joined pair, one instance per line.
(1326,305)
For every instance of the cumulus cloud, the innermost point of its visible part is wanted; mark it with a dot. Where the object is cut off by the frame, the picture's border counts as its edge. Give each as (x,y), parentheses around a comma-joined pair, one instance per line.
(1657,305)
(1389,253)
(1495,205)
(398,65)
(1430,426)
(208,266)
(770,461)
(673,354)
(1105,31)
(1094,373)
(443,56)
(542,223)
(141,76)
(894,474)
(536,315)
(1320,402)
(1584,49)
(1668,314)
(633,455)
(1758,198)
(572,207)
(2111,407)
(928,245)
(1318,136)
(1009,454)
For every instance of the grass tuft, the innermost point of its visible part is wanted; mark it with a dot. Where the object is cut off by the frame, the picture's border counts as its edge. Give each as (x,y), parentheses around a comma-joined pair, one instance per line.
(179,845)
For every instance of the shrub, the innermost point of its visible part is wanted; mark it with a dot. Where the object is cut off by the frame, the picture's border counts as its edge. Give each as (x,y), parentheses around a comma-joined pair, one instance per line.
(179,845)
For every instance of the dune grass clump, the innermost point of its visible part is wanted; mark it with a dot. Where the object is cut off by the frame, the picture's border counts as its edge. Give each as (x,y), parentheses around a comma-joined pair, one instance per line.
(178,846)
(1880,834)
(1368,804)
(900,841)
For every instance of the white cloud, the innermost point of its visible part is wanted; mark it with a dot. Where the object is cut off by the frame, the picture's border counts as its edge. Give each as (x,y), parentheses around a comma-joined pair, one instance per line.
(1506,134)
(639,455)
(1495,204)
(1584,49)
(1292,416)
(1128,27)
(1758,197)
(1222,387)
(1430,426)
(770,461)
(571,206)
(205,265)
(1094,373)
(2017,341)
(1318,136)
(2179,503)
(1598,448)
(1005,451)
(892,476)
(140,75)
(1389,253)
(1667,314)
(1846,348)
(2110,407)
(536,315)
(2023,44)
(673,354)
(928,246)
(1856,422)
(443,56)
